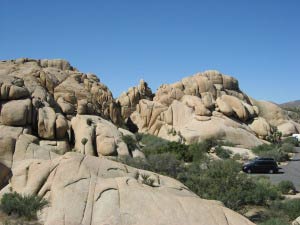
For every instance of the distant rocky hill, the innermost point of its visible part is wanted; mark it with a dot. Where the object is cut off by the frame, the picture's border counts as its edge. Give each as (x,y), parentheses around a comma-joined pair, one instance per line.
(57,124)
(293,104)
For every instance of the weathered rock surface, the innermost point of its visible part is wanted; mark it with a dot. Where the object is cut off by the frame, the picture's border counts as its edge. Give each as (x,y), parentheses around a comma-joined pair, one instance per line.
(16,113)
(58,84)
(7,148)
(128,100)
(206,105)
(103,138)
(5,175)
(261,127)
(107,192)
(46,123)
(49,93)
(277,117)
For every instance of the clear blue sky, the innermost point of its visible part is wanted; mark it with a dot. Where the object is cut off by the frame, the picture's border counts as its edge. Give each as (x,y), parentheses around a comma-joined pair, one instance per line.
(161,41)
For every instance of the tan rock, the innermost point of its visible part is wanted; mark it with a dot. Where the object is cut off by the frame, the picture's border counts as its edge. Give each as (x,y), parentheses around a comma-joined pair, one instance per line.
(106,192)
(10,132)
(59,147)
(66,107)
(61,127)
(208,100)
(224,107)
(246,154)
(84,127)
(5,175)
(230,83)
(261,127)
(109,139)
(16,92)
(237,106)
(27,147)
(288,128)
(56,63)
(46,123)
(5,91)
(277,117)
(20,117)
(128,100)
(138,154)
(82,107)
(7,147)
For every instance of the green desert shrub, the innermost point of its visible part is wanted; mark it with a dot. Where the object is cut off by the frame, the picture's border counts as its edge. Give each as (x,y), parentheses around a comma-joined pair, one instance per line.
(291,140)
(225,143)
(179,150)
(263,192)
(287,147)
(289,208)
(222,181)
(263,148)
(237,157)
(276,154)
(165,164)
(139,137)
(222,153)
(138,162)
(152,142)
(275,137)
(147,180)
(285,186)
(130,142)
(275,221)
(272,151)
(23,206)
(198,151)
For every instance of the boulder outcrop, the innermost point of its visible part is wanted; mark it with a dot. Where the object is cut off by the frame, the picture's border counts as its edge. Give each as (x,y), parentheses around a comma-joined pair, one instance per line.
(102,137)
(128,100)
(277,117)
(107,192)
(205,105)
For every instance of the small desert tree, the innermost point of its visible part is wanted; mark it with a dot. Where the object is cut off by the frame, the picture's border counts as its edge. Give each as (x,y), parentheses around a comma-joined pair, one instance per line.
(83,142)
(275,137)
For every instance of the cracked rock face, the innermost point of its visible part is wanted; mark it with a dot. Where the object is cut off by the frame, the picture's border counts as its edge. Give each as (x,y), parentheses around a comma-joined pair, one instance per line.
(89,190)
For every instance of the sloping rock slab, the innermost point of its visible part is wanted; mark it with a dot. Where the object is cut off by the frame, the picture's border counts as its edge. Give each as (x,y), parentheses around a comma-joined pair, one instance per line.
(89,190)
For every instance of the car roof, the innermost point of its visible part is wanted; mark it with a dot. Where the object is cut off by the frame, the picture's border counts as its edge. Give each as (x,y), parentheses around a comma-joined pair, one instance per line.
(263,158)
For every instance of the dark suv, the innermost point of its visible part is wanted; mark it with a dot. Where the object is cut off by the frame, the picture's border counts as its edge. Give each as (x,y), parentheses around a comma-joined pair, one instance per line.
(261,165)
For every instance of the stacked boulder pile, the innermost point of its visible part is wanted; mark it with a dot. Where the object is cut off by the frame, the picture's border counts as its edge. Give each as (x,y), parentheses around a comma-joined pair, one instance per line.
(210,105)
(51,105)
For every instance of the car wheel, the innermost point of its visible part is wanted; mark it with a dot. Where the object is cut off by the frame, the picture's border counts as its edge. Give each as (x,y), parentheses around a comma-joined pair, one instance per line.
(271,171)
(249,171)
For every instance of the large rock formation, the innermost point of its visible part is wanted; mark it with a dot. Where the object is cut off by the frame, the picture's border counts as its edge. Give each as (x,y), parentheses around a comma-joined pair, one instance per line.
(47,108)
(39,98)
(210,105)
(205,105)
(56,84)
(89,190)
